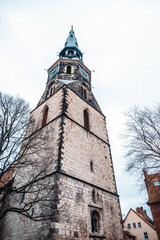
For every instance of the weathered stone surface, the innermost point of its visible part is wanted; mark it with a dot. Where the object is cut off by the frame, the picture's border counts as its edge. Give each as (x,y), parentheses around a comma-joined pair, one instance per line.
(81,189)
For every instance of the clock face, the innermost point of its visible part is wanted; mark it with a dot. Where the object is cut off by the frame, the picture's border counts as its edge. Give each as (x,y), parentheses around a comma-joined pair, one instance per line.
(53,72)
(84,73)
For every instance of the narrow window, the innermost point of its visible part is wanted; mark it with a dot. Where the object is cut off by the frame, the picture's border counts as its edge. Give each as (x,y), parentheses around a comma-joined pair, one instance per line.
(134,225)
(95,221)
(85,94)
(81,91)
(68,69)
(86,119)
(93,196)
(139,224)
(91,166)
(129,226)
(45,115)
(145,235)
(51,92)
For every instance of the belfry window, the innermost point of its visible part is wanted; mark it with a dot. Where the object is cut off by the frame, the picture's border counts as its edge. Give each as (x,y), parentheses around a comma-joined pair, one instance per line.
(45,115)
(70,52)
(95,218)
(86,119)
(69,69)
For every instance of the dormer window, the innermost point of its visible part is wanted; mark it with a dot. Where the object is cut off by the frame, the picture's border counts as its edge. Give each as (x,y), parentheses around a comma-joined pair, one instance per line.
(69,69)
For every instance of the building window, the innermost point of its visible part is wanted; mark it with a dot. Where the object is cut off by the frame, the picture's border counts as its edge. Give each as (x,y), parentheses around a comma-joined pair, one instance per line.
(139,224)
(70,52)
(157,183)
(93,196)
(83,92)
(86,119)
(45,115)
(68,69)
(51,91)
(129,226)
(134,225)
(95,219)
(91,166)
(145,235)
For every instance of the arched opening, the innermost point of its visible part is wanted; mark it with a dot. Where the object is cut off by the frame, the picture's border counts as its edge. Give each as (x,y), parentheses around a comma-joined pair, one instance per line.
(95,221)
(70,52)
(68,69)
(45,115)
(86,119)
(93,196)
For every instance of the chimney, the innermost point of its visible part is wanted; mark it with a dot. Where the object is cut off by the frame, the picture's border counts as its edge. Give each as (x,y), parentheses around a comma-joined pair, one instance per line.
(139,210)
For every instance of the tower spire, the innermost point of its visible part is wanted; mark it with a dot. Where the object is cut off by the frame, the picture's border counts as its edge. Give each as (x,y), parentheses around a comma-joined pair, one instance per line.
(71,49)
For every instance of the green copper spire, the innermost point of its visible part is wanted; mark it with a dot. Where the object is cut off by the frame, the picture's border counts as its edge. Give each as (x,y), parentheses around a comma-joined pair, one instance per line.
(71,49)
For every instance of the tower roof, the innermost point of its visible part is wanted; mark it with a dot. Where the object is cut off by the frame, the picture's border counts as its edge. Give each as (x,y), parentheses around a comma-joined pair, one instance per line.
(71,49)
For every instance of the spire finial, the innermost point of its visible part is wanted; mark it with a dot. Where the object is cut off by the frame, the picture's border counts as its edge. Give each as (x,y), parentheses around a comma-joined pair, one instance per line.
(71,49)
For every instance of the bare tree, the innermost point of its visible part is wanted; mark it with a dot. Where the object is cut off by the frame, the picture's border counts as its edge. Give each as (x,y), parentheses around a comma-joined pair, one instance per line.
(143,139)
(27,162)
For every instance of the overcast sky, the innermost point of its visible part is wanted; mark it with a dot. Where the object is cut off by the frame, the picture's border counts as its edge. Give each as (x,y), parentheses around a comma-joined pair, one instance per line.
(121,42)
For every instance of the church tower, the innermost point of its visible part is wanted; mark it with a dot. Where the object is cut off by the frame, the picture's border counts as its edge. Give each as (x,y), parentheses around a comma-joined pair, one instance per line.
(81,154)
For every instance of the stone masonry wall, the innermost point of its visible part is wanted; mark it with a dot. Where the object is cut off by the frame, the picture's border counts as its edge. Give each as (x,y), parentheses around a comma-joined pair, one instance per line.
(75,109)
(80,148)
(17,227)
(77,224)
(54,105)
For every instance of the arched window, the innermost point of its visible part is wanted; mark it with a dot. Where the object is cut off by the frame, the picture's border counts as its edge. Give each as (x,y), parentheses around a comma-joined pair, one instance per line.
(95,221)
(68,69)
(70,52)
(45,115)
(93,196)
(86,119)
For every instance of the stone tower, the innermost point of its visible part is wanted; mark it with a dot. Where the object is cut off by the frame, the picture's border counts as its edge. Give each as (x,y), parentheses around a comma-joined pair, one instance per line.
(82,161)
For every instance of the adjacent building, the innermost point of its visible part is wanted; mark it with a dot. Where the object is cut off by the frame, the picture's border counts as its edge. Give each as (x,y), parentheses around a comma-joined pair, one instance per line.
(152,183)
(140,225)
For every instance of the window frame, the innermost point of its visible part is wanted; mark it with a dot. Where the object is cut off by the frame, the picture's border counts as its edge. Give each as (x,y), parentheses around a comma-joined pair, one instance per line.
(69,69)
(139,223)
(129,224)
(97,219)
(134,225)
(145,235)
